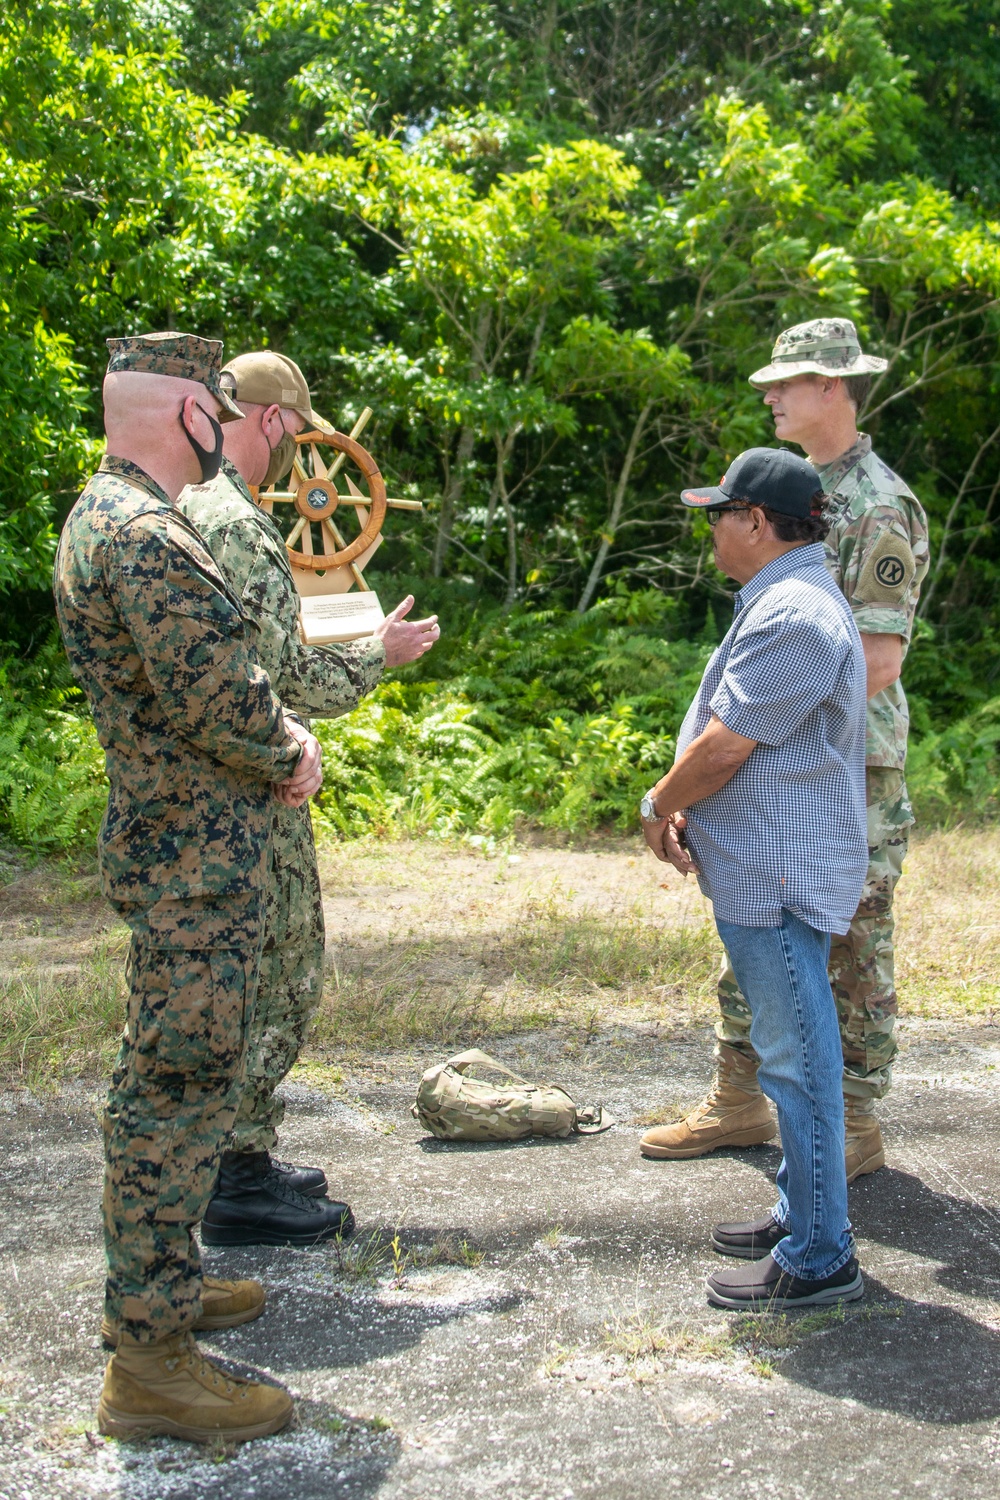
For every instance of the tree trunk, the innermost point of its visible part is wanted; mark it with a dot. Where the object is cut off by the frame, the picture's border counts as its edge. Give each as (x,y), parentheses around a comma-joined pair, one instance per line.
(504,446)
(451,497)
(618,500)
(455,479)
(981,530)
(923,608)
(511,595)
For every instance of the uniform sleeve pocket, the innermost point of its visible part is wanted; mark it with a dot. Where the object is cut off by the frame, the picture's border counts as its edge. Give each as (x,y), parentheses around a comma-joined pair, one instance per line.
(220,611)
(269,590)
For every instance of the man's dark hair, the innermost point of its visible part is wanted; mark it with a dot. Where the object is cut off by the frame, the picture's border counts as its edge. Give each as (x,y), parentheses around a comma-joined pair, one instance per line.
(858,388)
(802,528)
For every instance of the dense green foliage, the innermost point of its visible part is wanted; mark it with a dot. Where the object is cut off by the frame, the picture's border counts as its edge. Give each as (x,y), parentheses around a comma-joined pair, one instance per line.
(546,242)
(553,720)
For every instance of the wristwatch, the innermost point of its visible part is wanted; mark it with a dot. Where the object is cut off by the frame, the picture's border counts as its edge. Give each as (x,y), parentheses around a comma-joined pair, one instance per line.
(647,808)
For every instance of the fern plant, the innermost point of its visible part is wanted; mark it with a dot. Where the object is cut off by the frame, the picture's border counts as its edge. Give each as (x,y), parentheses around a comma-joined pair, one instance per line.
(52,782)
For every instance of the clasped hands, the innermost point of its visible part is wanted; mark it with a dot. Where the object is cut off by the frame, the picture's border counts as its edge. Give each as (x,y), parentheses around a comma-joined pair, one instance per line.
(666,839)
(704,767)
(308,774)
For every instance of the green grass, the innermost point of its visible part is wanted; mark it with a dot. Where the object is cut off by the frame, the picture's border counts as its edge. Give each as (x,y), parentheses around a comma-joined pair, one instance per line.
(558,950)
(640,1340)
(63,1022)
(650,1348)
(379,1254)
(487,947)
(551,964)
(390,999)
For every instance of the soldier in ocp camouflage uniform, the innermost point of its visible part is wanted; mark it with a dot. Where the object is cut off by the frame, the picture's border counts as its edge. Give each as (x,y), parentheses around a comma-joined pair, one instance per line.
(259,1199)
(197,748)
(877,550)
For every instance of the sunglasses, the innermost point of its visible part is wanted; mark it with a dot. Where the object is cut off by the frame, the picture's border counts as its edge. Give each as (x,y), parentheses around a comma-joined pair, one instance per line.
(713,512)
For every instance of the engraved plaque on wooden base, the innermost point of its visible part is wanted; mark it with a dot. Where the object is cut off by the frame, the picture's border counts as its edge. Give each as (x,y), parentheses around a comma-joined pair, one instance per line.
(332,619)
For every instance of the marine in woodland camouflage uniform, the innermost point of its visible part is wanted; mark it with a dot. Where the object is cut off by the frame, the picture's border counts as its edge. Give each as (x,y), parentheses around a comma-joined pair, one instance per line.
(325,681)
(877,550)
(194,738)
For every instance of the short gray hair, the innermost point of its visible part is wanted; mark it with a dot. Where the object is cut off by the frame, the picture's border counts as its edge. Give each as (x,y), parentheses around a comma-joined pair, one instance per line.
(858,388)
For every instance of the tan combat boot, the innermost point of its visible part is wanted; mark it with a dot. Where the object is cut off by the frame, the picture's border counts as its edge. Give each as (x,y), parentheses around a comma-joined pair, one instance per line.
(863,1138)
(224,1304)
(733,1113)
(170,1388)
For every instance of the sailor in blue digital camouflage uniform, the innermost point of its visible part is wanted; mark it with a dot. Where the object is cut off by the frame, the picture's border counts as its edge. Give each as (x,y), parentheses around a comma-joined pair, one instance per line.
(261,1200)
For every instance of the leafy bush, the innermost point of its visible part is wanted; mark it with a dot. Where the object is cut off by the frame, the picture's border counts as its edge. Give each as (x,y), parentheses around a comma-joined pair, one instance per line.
(52,782)
(553,720)
(557,721)
(547,259)
(954,776)
(533,719)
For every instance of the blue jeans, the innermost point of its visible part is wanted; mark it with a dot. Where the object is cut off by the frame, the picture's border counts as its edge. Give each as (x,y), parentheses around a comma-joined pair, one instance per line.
(782,973)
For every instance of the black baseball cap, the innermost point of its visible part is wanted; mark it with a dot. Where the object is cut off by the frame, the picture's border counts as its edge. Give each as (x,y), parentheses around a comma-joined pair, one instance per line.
(762,476)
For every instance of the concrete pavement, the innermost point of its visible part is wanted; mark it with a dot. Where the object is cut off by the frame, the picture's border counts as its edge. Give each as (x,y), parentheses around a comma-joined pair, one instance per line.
(539,1330)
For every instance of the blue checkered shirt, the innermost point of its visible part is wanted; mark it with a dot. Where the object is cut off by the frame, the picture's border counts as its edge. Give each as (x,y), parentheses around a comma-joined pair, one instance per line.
(789,829)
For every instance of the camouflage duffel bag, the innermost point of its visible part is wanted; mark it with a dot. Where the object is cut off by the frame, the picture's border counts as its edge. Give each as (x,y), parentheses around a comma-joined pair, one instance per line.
(455,1107)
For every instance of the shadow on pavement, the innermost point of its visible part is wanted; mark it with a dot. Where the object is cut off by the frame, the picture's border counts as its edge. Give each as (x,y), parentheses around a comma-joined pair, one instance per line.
(433,1146)
(324,1331)
(334,1323)
(325,1453)
(898,1209)
(916,1359)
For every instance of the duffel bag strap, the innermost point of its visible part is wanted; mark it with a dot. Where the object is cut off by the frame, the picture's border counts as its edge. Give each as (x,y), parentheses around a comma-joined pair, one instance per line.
(463,1060)
(591,1119)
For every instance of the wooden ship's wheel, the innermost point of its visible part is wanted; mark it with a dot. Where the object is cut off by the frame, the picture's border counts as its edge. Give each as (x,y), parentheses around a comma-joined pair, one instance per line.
(312,509)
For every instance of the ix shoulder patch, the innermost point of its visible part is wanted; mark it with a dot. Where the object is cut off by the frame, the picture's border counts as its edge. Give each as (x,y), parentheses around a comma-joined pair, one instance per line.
(887,572)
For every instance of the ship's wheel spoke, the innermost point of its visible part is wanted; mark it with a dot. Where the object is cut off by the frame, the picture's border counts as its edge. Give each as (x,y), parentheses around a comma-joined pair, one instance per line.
(332,539)
(313,493)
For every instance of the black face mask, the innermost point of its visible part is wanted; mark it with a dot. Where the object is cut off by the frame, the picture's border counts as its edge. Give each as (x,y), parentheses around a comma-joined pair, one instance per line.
(209,458)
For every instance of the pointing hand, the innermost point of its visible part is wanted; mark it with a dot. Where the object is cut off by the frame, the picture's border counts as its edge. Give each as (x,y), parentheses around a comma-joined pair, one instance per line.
(406,640)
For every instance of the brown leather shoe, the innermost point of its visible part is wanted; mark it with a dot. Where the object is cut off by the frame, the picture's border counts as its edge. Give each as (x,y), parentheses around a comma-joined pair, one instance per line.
(863,1138)
(734,1113)
(224,1304)
(171,1389)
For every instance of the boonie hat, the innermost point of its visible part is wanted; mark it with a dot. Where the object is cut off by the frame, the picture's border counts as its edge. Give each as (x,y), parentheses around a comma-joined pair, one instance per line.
(266,378)
(762,476)
(826,346)
(185,356)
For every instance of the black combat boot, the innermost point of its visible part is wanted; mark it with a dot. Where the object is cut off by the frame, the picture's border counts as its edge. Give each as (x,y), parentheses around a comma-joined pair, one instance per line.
(309,1180)
(255,1204)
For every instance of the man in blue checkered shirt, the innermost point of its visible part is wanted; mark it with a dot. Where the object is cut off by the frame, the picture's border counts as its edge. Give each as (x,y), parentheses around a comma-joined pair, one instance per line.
(766,802)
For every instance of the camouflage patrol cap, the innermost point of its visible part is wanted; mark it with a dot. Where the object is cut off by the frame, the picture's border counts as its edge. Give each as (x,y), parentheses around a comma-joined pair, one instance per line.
(267,378)
(185,356)
(826,346)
